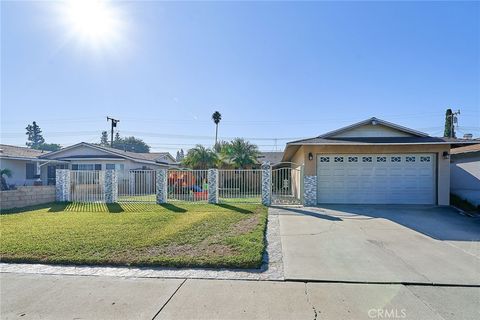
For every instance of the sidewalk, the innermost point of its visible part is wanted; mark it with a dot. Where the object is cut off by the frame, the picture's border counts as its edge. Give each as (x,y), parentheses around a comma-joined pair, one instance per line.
(36,296)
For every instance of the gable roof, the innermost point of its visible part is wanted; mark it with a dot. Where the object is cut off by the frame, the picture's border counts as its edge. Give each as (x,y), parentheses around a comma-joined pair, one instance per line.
(8,151)
(272,157)
(466,149)
(154,157)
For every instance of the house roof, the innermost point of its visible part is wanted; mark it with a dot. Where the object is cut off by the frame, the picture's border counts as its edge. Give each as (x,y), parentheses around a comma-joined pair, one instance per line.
(8,151)
(154,157)
(466,149)
(272,157)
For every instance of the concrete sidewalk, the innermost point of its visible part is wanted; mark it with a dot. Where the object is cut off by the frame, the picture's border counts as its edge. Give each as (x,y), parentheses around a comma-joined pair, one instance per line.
(29,296)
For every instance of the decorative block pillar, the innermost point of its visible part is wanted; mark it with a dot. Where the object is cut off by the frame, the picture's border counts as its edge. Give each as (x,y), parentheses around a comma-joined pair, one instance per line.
(310,190)
(266,184)
(110,186)
(162,185)
(62,185)
(212,186)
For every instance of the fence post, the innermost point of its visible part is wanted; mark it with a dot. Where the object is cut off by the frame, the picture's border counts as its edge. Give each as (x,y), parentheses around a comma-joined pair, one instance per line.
(110,186)
(310,190)
(62,185)
(212,186)
(162,186)
(266,184)
(131,182)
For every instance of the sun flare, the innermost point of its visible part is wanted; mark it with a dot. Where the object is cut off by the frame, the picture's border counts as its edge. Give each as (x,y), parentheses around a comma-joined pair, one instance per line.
(97,23)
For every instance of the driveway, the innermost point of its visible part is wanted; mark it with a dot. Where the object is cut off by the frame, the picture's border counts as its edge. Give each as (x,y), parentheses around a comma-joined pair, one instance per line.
(380,244)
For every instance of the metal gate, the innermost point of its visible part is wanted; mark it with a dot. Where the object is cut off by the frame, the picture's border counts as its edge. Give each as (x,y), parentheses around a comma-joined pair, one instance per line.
(137,186)
(87,186)
(240,185)
(287,185)
(187,185)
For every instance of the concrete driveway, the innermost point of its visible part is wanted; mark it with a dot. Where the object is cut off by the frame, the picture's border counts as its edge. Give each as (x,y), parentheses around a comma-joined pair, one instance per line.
(380,244)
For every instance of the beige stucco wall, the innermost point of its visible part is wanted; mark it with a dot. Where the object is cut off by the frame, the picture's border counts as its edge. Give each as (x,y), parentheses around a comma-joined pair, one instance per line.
(443,165)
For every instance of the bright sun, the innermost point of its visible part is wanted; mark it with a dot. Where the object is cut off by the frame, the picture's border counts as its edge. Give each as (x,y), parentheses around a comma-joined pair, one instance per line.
(97,23)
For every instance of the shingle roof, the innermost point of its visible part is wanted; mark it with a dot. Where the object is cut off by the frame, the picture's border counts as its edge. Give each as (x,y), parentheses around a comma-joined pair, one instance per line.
(368,140)
(19,152)
(273,157)
(471,148)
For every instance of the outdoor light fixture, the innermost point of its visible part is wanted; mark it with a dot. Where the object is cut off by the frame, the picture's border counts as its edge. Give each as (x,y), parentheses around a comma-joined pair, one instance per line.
(310,156)
(446,155)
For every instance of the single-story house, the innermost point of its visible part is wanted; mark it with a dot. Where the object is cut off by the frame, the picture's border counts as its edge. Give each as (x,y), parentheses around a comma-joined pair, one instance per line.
(373,162)
(272,157)
(465,172)
(30,166)
(24,164)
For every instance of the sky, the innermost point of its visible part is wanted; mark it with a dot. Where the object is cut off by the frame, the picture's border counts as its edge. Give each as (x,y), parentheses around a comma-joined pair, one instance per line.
(276,71)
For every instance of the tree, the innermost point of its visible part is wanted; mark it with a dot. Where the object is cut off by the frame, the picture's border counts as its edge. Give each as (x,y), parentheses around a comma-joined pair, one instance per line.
(200,157)
(49,147)
(449,128)
(104,139)
(3,182)
(34,133)
(177,157)
(216,117)
(239,153)
(131,144)
(182,154)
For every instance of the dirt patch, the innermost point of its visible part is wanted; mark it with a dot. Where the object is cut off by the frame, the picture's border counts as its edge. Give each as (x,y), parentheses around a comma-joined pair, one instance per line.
(244,226)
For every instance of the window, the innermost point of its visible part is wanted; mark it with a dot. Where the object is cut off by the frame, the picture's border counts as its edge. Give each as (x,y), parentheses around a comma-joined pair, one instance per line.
(410,159)
(352,159)
(30,171)
(87,166)
(381,159)
(324,159)
(396,159)
(366,159)
(338,159)
(110,166)
(424,159)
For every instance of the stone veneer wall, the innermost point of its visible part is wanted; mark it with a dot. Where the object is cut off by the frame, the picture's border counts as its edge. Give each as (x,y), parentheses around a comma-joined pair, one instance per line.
(26,196)
(212,186)
(111,186)
(310,190)
(62,185)
(162,186)
(266,184)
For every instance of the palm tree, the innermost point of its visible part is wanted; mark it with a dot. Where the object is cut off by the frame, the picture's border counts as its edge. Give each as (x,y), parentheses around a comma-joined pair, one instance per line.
(200,157)
(8,173)
(216,117)
(240,153)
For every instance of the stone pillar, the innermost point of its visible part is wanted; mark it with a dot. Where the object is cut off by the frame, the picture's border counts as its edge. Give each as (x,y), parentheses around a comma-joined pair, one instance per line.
(310,190)
(266,184)
(62,185)
(162,186)
(212,186)
(110,186)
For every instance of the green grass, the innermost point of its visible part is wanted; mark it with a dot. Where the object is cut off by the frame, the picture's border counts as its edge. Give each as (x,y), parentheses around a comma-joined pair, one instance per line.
(176,235)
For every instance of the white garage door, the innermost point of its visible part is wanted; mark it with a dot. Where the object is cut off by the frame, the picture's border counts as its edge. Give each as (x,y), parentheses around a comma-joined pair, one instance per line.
(376,178)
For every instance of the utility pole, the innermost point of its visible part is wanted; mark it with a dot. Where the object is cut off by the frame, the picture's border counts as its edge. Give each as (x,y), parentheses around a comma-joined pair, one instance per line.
(114,125)
(453,121)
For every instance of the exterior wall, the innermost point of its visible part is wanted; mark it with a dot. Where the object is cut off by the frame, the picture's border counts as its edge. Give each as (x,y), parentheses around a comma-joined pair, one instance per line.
(443,165)
(18,168)
(465,171)
(26,196)
(372,131)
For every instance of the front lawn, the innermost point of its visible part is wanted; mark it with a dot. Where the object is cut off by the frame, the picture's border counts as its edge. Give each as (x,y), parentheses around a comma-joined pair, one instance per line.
(177,235)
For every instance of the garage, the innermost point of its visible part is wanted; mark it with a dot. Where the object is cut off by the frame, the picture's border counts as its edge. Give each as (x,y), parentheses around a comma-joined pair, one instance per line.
(376,178)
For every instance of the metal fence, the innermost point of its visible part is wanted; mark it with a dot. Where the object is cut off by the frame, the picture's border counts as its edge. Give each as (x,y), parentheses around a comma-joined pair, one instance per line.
(87,186)
(187,185)
(244,185)
(137,186)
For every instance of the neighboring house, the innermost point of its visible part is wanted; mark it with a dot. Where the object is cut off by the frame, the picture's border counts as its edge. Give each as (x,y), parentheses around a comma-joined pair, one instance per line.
(274,157)
(373,162)
(465,172)
(87,156)
(27,169)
